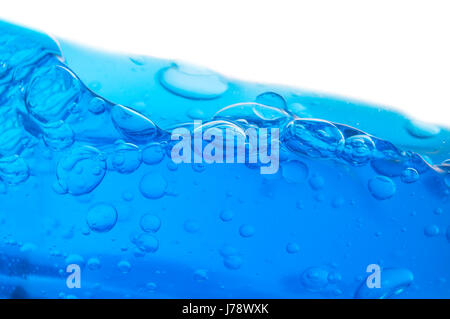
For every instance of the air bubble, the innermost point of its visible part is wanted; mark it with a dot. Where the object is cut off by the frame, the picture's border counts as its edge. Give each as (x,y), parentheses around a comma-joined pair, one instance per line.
(381,187)
(81,170)
(358,149)
(150,223)
(153,186)
(101,218)
(126,158)
(409,175)
(246,231)
(153,154)
(147,243)
(132,124)
(294,171)
(314,279)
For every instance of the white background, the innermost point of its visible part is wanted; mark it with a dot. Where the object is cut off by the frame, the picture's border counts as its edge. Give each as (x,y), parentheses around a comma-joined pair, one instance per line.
(390,52)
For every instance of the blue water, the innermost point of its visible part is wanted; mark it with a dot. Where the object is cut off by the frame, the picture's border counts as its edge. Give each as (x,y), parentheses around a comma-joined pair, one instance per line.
(87,178)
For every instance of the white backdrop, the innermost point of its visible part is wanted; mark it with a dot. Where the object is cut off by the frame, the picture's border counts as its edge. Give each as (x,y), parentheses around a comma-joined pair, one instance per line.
(392,52)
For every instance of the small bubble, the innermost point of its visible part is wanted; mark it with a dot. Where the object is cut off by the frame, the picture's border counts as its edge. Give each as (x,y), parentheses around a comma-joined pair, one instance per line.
(93,263)
(101,218)
(226,215)
(316,182)
(153,186)
(191,226)
(381,187)
(314,278)
(292,248)
(246,231)
(200,275)
(233,262)
(150,223)
(153,154)
(124,266)
(409,175)
(147,243)
(431,231)
(294,171)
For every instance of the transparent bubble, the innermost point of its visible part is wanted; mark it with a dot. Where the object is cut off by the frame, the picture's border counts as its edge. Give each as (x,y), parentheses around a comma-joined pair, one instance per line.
(382,187)
(314,279)
(226,215)
(246,231)
(124,266)
(358,149)
(431,230)
(191,226)
(153,186)
(101,218)
(126,158)
(153,154)
(409,175)
(81,170)
(94,263)
(233,262)
(292,248)
(147,243)
(294,171)
(97,105)
(150,223)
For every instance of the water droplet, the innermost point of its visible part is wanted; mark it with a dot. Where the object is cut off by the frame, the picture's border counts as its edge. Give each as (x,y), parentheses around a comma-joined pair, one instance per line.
(196,113)
(271,99)
(381,187)
(314,279)
(227,250)
(292,248)
(226,215)
(147,243)
(150,223)
(294,171)
(81,170)
(431,230)
(421,130)
(192,82)
(393,282)
(409,175)
(101,218)
(246,231)
(153,186)
(153,154)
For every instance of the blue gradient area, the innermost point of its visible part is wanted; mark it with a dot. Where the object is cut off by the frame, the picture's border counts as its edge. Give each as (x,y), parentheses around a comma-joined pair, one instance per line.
(87,178)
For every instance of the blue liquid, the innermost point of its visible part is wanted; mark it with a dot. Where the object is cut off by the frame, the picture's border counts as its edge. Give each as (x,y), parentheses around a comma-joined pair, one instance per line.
(86,178)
